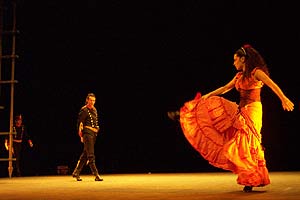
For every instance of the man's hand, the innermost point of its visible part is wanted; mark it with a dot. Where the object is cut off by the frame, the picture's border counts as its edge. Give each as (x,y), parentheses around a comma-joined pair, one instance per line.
(6,144)
(30,143)
(80,129)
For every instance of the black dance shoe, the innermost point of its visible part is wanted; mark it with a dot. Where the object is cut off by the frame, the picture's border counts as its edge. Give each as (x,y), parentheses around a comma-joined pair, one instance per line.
(98,178)
(174,115)
(77,177)
(247,189)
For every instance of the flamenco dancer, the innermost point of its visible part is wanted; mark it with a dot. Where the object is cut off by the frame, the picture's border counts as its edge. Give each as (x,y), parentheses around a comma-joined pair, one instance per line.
(226,134)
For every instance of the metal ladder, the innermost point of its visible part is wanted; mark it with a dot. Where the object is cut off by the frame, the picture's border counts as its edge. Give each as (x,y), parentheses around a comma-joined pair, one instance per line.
(8,9)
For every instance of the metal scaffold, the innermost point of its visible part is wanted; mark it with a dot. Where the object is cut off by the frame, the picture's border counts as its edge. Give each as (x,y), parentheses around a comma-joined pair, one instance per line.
(8,33)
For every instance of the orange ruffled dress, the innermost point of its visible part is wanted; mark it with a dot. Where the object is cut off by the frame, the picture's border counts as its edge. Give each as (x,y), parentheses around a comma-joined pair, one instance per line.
(228,135)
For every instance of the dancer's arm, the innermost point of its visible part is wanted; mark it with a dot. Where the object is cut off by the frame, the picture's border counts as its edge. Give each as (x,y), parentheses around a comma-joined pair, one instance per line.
(221,90)
(286,103)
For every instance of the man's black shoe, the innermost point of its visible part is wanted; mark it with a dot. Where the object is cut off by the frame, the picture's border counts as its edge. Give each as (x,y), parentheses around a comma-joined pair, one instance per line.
(77,177)
(98,178)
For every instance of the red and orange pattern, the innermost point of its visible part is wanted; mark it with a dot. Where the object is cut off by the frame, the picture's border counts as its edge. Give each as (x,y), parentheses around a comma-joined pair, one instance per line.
(227,136)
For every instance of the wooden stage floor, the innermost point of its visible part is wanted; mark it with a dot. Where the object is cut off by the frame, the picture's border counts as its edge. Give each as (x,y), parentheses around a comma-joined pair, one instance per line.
(162,186)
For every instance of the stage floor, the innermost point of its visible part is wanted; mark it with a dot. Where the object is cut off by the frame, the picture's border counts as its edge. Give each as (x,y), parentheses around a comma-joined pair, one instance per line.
(174,186)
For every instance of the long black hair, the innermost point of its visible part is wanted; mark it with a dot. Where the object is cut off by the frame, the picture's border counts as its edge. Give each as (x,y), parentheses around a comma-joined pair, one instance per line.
(253,59)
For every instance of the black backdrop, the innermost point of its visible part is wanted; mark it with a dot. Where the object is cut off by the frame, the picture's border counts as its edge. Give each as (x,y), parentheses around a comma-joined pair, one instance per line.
(143,59)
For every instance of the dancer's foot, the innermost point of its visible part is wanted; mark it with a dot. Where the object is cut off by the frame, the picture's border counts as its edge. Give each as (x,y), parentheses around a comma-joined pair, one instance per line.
(76,176)
(174,115)
(98,178)
(247,189)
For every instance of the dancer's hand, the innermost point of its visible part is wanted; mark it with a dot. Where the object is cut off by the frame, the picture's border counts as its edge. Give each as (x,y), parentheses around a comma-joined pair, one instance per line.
(30,143)
(6,145)
(287,104)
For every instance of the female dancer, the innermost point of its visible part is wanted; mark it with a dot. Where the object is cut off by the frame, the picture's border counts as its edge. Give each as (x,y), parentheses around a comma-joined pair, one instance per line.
(229,135)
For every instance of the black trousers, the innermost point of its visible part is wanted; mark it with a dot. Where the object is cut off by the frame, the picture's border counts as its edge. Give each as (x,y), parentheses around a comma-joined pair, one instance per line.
(17,147)
(87,157)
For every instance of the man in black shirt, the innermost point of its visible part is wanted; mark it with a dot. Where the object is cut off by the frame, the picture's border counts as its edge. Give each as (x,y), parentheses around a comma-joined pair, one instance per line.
(88,128)
(18,142)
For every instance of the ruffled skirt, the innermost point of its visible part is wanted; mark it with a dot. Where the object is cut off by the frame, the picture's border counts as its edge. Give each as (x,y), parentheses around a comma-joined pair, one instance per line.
(227,137)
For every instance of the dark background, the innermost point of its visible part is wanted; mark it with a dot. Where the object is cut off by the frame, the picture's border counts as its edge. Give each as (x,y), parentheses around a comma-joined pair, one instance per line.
(142,59)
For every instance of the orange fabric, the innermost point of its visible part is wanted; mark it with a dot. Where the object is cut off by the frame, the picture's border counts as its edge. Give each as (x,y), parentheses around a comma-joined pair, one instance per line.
(247,84)
(227,137)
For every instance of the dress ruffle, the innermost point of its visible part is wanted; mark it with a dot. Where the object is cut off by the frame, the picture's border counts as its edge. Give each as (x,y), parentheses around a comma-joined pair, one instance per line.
(227,137)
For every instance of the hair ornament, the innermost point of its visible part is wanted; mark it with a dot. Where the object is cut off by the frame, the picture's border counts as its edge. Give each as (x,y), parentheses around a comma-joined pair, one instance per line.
(244,51)
(247,46)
